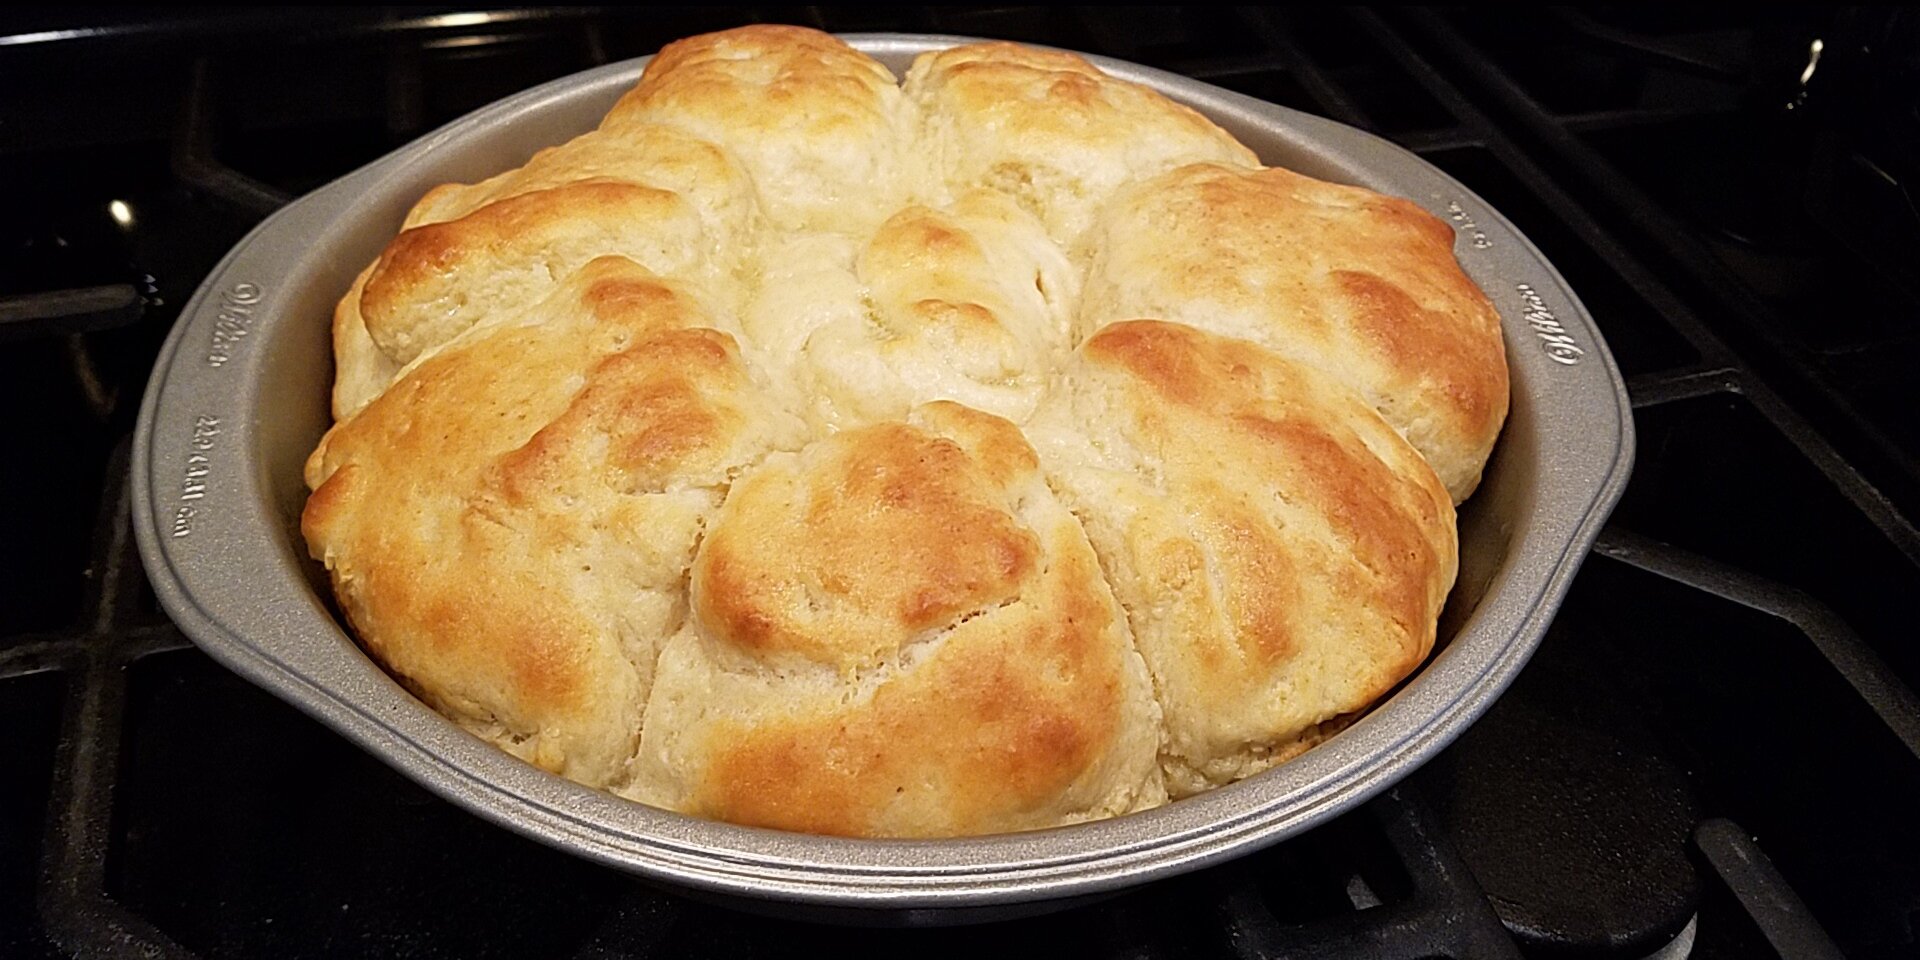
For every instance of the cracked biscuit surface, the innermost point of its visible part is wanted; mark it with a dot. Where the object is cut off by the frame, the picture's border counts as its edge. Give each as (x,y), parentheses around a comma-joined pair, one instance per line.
(900,632)
(1359,285)
(996,449)
(1284,554)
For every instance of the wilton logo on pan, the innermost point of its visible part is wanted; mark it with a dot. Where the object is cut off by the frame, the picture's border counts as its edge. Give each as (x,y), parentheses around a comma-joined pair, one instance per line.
(1559,347)
(234,321)
(193,480)
(1458,214)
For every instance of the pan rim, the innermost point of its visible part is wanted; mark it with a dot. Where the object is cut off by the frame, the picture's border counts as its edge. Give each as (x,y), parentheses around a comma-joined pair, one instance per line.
(924,874)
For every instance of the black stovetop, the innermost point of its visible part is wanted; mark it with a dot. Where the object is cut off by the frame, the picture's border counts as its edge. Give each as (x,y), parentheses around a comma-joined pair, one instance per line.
(1717,747)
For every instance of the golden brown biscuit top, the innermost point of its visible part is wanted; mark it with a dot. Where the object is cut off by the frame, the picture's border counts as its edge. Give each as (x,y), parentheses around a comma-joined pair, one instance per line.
(842,558)
(1282,552)
(1210,404)
(900,633)
(421,292)
(1050,130)
(792,66)
(815,121)
(649,154)
(691,458)
(478,515)
(1204,396)
(1360,285)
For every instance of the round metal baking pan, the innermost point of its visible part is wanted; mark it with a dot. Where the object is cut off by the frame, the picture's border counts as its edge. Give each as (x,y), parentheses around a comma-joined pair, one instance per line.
(238,398)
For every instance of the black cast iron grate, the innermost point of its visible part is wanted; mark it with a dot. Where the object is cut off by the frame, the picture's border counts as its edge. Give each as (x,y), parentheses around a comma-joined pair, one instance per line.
(1735,653)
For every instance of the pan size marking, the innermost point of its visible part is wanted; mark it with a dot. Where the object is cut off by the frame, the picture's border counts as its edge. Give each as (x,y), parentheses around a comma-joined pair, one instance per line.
(233,321)
(1476,236)
(1554,339)
(193,479)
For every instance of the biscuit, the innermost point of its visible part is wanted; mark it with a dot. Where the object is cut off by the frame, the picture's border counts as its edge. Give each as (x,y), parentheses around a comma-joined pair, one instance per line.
(1282,554)
(899,632)
(509,527)
(1360,285)
(1050,130)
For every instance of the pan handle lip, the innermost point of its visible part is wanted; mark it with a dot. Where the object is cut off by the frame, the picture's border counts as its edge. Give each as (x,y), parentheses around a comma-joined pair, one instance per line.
(742,861)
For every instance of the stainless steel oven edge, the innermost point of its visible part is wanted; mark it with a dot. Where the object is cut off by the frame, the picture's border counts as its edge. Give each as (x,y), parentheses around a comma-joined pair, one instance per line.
(238,398)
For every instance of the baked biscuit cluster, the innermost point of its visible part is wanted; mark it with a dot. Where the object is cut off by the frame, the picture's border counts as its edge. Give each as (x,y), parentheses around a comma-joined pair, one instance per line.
(1002,449)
